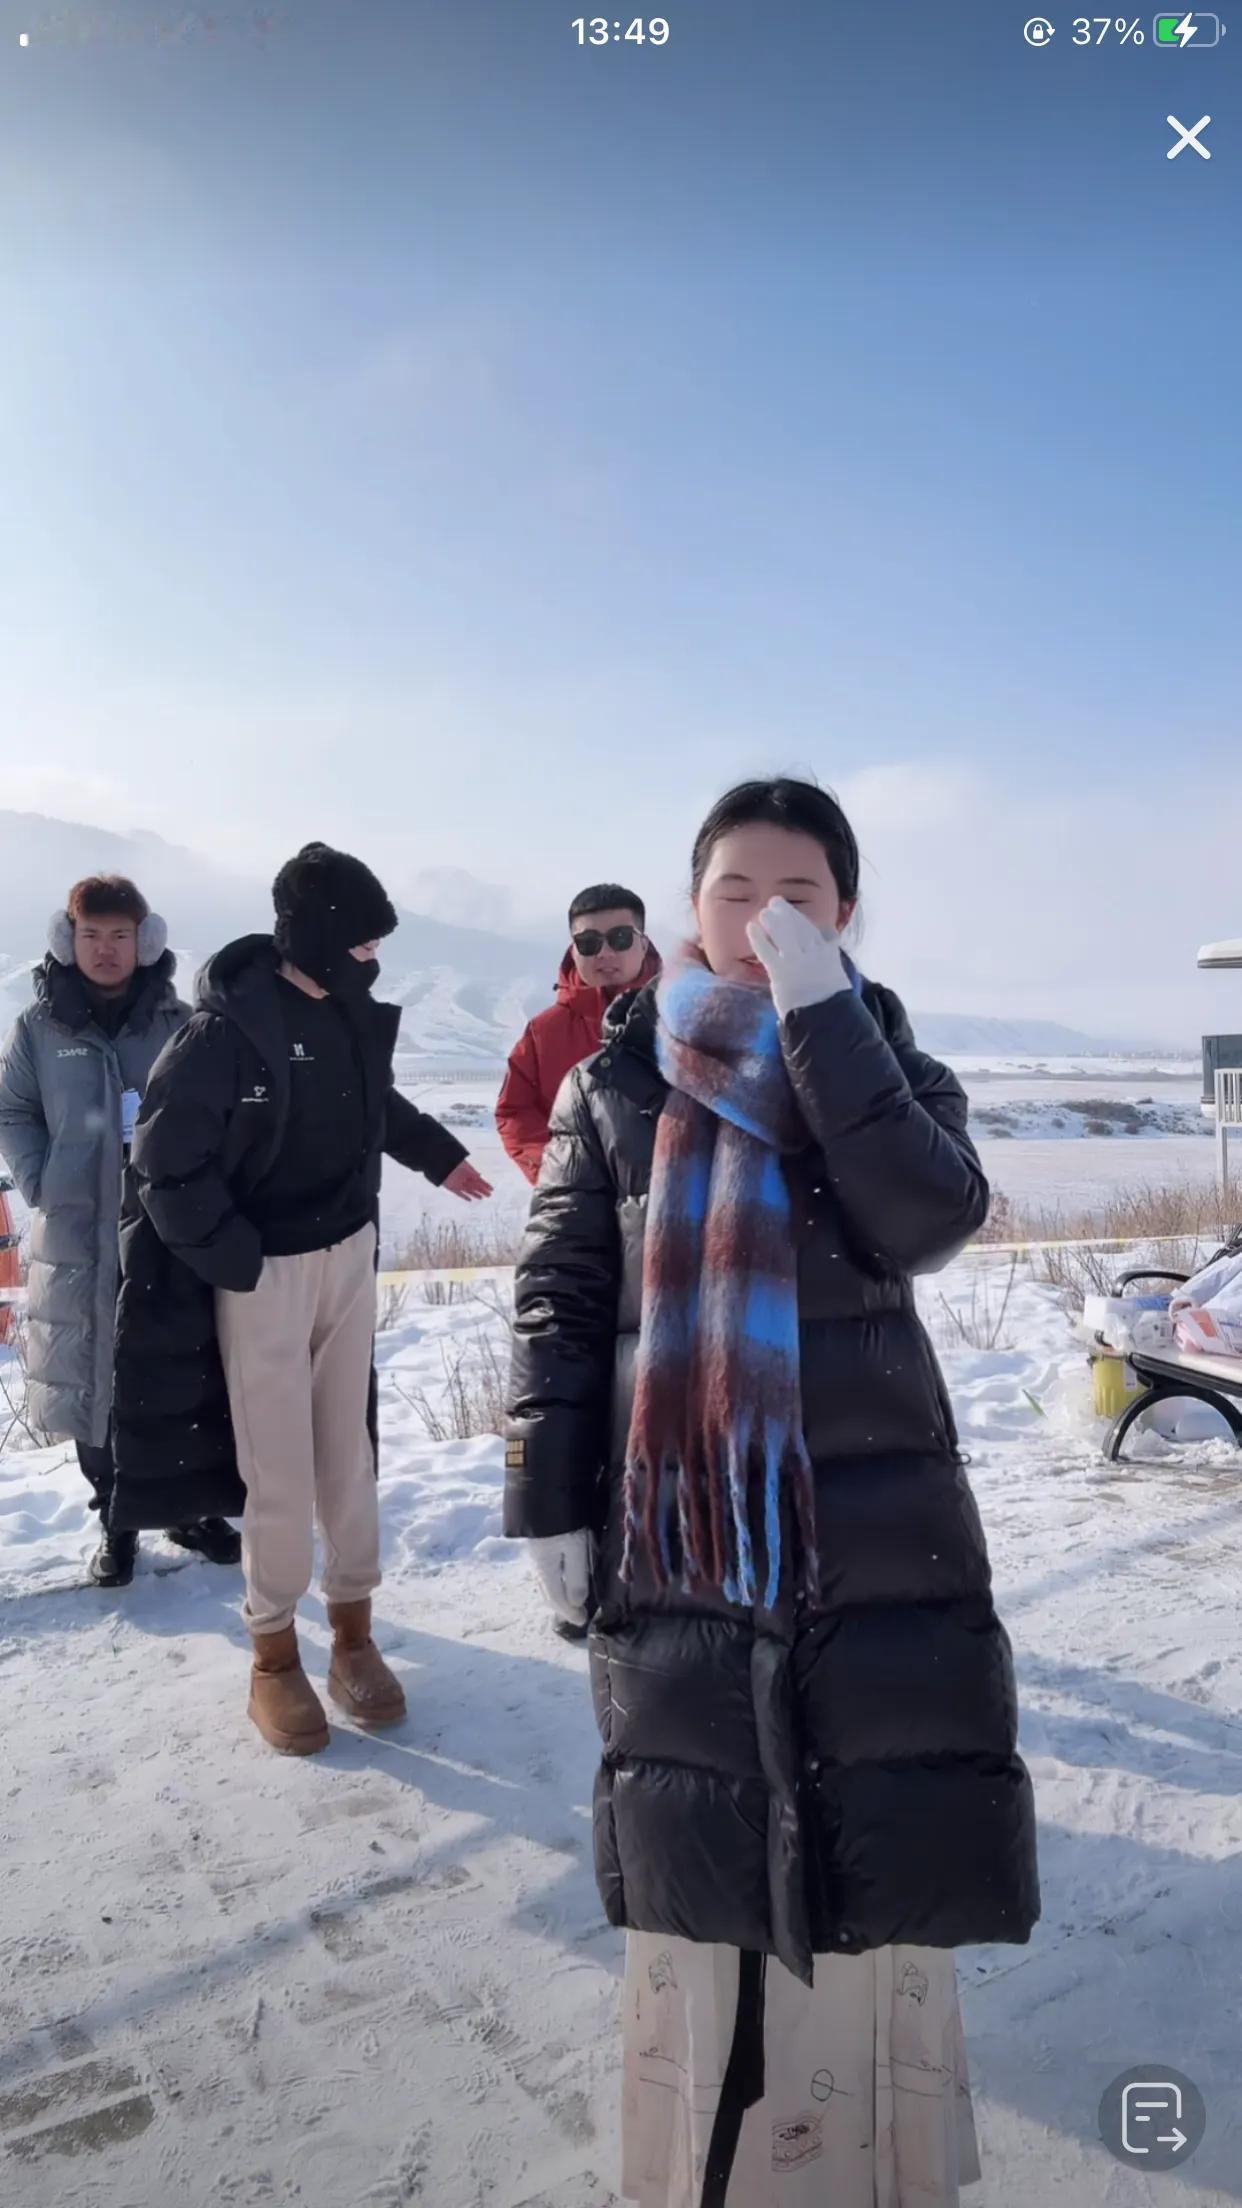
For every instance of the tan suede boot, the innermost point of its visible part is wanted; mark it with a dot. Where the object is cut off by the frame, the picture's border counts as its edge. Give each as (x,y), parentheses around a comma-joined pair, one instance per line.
(359,1680)
(283,1703)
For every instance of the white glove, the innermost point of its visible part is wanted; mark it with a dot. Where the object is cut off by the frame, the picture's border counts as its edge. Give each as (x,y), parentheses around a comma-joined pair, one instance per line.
(804,965)
(563,1564)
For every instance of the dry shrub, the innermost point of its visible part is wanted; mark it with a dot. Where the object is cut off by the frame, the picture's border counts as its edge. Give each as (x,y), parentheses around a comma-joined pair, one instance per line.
(394,1296)
(980,1324)
(1175,1224)
(441,1293)
(476,1372)
(999,1225)
(476,1377)
(445,1245)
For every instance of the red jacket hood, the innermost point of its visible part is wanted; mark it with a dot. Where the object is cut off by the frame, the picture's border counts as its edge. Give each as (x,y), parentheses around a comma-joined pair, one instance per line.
(571,989)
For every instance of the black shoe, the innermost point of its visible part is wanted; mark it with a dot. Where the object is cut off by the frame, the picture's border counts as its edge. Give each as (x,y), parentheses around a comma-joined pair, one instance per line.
(568,1632)
(213,1538)
(113,1562)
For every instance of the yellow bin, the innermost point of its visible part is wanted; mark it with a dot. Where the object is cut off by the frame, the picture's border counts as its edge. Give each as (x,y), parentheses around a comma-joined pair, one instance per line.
(1115,1382)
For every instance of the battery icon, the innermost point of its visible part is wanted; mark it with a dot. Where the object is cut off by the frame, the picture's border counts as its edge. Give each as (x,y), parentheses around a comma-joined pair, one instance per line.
(1191,28)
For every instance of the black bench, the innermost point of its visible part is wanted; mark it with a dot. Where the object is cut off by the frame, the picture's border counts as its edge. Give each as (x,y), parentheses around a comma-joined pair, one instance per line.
(1170,1375)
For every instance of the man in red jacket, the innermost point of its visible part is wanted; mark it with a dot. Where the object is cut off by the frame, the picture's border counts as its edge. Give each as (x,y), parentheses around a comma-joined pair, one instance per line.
(609,954)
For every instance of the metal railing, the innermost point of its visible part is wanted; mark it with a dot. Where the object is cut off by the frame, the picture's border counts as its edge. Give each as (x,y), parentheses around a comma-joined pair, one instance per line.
(1228,1118)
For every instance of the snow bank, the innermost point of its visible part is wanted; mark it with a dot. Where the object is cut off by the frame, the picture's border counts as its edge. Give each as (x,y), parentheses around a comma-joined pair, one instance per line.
(1062,1120)
(441,1502)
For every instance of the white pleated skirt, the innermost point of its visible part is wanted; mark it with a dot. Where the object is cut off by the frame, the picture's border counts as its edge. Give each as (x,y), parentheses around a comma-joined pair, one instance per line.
(867,2096)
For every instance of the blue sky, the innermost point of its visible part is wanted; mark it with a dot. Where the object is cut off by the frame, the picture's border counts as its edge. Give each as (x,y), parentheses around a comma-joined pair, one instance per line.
(419,430)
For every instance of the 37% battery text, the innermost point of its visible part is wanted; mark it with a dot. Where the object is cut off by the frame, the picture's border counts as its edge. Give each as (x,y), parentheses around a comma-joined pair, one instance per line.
(1092,30)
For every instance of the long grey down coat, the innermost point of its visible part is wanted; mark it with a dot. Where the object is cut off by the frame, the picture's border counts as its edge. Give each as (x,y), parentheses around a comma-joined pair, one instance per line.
(61,1083)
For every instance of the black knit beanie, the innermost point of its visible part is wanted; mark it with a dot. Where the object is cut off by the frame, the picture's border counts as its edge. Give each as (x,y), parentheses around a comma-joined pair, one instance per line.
(327,903)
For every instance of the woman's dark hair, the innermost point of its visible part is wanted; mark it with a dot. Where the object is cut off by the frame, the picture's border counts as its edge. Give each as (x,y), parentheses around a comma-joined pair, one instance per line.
(784,803)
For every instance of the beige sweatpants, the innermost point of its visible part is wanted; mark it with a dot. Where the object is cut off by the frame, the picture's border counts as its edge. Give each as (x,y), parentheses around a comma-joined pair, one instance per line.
(866,2094)
(297,1360)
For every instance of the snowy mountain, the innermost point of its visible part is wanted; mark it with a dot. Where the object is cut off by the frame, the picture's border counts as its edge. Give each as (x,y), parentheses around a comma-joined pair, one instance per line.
(466,991)
(460,899)
(959,1035)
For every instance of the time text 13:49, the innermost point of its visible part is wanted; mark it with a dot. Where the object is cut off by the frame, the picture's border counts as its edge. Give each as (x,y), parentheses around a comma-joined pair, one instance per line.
(601,30)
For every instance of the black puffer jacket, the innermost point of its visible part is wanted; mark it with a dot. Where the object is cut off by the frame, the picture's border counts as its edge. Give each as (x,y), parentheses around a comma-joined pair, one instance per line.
(211,1126)
(837,1777)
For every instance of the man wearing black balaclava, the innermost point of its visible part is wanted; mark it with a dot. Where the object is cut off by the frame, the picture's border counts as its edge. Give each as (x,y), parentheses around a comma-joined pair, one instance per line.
(248,1306)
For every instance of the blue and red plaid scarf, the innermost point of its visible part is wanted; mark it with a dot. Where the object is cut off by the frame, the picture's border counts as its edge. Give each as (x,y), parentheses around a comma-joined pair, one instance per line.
(717,1417)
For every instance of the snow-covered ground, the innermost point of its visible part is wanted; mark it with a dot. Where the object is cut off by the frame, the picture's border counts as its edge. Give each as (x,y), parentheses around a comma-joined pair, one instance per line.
(381,1977)
(1053,1119)
(1051,1100)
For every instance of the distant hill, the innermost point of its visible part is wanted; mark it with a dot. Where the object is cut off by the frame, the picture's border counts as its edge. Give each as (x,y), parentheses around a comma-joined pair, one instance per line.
(466,992)
(958,1035)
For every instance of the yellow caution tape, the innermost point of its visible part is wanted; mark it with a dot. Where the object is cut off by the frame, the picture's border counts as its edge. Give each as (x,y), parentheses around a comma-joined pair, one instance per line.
(443,1272)
(1087,1242)
(971,1249)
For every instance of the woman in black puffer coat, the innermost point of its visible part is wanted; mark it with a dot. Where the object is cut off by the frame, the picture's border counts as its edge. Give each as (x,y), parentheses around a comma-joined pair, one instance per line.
(730,1439)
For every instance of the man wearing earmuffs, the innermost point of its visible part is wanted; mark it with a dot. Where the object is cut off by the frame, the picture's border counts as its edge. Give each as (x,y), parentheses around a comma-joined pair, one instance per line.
(244,1369)
(72,1076)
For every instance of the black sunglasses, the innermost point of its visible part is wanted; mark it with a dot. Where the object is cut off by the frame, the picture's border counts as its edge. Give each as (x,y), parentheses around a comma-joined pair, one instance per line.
(591,941)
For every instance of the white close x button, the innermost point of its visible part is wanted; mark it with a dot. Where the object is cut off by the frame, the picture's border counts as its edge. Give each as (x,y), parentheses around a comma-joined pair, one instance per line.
(1188,137)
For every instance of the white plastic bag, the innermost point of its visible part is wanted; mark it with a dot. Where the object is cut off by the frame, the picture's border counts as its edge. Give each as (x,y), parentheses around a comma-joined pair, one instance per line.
(1152,1331)
(1218,1283)
(1207,1311)
(1207,1333)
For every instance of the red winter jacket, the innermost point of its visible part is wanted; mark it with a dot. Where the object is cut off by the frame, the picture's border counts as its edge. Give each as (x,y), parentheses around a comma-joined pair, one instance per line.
(555,1042)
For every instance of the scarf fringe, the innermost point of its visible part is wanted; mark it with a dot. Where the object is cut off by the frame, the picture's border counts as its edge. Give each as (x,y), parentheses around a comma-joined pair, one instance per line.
(685,1500)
